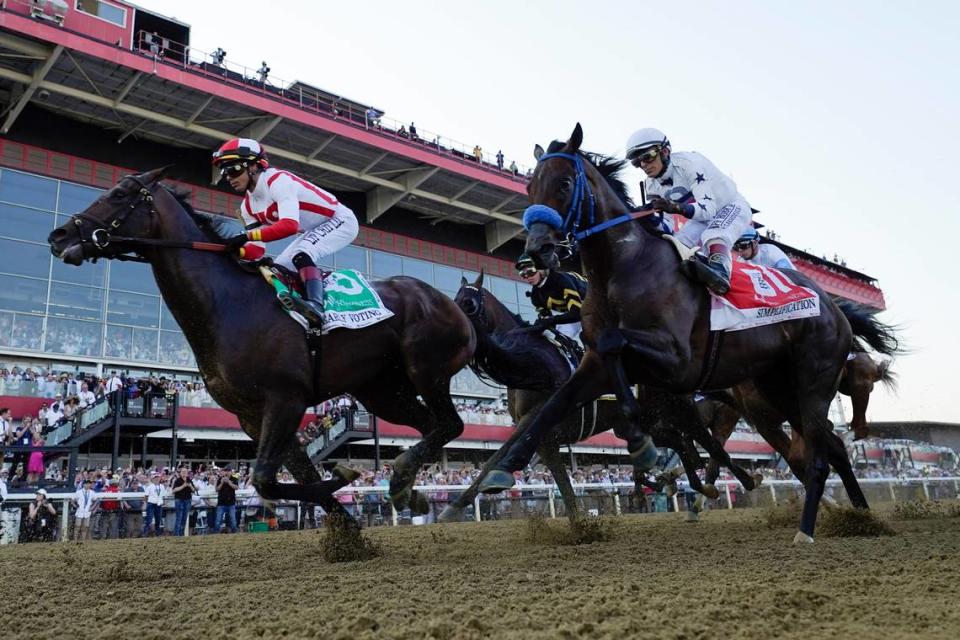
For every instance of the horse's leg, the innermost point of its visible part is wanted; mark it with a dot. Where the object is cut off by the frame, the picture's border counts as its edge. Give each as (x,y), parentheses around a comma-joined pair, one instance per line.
(840,461)
(610,345)
(586,383)
(721,425)
(550,454)
(303,470)
(454,511)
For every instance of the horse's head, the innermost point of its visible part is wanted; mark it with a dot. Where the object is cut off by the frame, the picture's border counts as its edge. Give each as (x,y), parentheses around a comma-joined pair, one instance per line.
(470,300)
(125,210)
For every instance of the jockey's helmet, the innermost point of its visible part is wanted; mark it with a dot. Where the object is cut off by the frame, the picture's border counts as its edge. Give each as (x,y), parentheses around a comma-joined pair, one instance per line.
(241,151)
(749,237)
(525,266)
(643,140)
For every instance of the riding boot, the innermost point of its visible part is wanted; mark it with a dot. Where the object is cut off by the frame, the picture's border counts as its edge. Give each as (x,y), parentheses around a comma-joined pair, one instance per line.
(311,305)
(714,271)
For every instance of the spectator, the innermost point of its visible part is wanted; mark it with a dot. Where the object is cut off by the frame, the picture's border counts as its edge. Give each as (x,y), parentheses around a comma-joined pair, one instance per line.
(54,411)
(413,132)
(373,118)
(114,382)
(110,511)
(226,501)
(35,466)
(84,500)
(41,518)
(477,153)
(402,132)
(183,490)
(154,506)
(263,72)
(86,397)
(133,509)
(500,159)
(513,168)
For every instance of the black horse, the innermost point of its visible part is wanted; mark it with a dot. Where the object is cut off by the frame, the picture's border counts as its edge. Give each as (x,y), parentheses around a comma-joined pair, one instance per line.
(532,368)
(646,322)
(255,360)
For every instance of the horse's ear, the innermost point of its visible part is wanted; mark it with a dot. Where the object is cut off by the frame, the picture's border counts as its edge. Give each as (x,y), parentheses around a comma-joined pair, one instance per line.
(537,152)
(479,283)
(576,139)
(463,282)
(155,175)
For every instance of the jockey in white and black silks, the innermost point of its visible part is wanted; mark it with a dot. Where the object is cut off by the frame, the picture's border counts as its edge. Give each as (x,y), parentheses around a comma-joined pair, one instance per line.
(749,249)
(278,204)
(688,184)
(554,292)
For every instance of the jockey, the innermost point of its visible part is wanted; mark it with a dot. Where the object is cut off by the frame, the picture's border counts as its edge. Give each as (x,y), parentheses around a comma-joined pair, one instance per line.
(277,204)
(554,290)
(687,184)
(748,247)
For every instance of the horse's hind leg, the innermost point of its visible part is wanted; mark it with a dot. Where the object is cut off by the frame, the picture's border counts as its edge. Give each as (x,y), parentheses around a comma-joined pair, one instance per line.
(550,454)
(299,464)
(840,461)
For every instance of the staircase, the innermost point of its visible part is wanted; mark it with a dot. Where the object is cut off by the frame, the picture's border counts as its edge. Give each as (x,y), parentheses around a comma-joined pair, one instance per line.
(354,426)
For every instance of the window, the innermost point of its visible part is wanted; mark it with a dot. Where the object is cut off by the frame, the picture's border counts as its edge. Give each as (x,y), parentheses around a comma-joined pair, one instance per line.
(133,276)
(144,344)
(418,269)
(23,294)
(119,342)
(73,337)
(132,308)
(23,332)
(167,321)
(28,190)
(74,301)
(447,279)
(504,290)
(22,259)
(75,198)
(351,257)
(174,349)
(25,224)
(384,265)
(104,11)
(89,273)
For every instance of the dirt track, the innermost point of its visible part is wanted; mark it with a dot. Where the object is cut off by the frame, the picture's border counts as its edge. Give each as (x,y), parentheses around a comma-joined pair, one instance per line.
(478,581)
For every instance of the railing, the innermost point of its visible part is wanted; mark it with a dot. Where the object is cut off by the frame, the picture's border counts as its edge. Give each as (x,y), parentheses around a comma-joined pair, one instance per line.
(213,65)
(526,500)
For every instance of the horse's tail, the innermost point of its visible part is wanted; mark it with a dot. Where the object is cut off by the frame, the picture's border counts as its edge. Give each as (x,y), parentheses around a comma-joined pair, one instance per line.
(886,376)
(881,337)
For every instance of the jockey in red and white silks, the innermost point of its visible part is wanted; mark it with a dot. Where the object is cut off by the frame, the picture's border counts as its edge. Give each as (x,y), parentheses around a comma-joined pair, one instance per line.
(278,204)
(281,205)
(688,184)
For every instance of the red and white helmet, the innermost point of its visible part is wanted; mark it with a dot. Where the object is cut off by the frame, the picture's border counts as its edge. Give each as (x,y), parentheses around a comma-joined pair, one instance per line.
(240,150)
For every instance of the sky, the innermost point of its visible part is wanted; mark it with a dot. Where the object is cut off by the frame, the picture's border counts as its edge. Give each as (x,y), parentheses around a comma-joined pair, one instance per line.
(836,120)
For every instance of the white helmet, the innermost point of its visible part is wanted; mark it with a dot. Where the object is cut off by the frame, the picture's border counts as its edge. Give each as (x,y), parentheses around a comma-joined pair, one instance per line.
(644,139)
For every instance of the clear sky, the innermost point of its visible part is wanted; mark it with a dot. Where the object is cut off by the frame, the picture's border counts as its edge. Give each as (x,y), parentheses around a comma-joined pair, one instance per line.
(836,119)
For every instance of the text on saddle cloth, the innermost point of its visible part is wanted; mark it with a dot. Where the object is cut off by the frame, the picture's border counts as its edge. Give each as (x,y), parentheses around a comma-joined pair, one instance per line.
(760,296)
(349,300)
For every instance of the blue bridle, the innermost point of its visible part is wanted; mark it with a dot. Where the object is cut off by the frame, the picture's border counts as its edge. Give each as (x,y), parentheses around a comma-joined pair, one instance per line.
(575,214)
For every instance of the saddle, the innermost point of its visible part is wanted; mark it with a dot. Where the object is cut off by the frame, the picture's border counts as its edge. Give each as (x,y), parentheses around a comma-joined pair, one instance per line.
(567,346)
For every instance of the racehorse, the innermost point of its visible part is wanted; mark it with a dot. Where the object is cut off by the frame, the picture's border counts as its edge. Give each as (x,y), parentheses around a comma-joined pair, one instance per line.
(255,359)
(645,321)
(532,368)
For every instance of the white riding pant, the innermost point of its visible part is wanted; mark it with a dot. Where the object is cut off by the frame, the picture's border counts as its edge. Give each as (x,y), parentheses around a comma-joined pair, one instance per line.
(729,223)
(571,330)
(323,240)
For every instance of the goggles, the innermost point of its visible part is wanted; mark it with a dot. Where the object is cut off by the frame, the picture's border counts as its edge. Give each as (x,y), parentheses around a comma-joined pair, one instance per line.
(644,157)
(232,170)
(743,245)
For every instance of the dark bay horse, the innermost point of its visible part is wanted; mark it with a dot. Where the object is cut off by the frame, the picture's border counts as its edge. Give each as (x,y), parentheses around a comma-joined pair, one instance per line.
(255,360)
(646,322)
(532,369)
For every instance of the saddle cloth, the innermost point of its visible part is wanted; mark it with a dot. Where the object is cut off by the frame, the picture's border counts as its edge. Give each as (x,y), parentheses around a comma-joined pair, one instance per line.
(349,301)
(759,296)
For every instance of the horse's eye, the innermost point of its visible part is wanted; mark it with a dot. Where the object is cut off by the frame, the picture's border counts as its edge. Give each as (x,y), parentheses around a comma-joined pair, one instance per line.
(566,183)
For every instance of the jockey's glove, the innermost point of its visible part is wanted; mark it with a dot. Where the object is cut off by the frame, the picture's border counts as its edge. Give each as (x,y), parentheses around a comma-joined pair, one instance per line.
(665,206)
(236,242)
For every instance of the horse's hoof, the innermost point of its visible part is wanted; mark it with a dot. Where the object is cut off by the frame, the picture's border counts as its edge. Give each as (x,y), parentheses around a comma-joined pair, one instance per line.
(699,503)
(450,513)
(401,499)
(645,456)
(802,538)
(670,489)
(757,480)
(711,491)
(692,516)
(346,474)
(419,504)
(496,481)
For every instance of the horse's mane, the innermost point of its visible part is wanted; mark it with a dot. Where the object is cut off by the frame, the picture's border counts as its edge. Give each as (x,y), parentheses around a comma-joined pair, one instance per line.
(217,228)
(608,166)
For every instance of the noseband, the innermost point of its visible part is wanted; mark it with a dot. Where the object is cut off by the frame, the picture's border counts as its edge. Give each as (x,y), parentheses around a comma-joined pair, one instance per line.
(481,313)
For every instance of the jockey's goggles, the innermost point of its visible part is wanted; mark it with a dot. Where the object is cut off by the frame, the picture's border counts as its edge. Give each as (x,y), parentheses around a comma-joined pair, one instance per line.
(527,271)
(643,157)
(743,245)
(232,170)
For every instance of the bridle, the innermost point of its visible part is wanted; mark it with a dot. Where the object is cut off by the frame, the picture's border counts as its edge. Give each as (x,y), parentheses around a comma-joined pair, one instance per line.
(101,234)
(480,313)
(583,195)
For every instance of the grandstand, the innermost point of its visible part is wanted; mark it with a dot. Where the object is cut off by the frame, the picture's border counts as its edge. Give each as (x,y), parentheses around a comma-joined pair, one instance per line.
(96,92)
